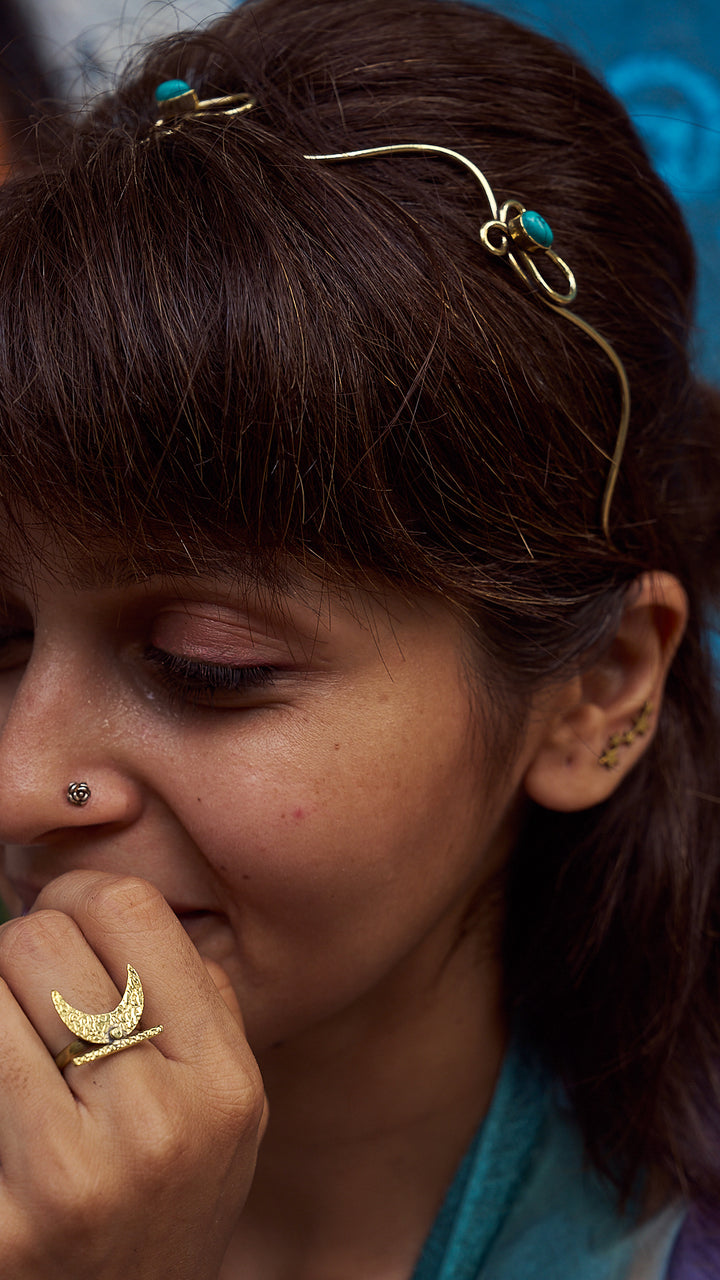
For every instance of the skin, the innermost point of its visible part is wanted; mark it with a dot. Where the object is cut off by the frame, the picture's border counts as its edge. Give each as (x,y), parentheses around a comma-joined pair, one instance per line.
(296,851)
(7,893)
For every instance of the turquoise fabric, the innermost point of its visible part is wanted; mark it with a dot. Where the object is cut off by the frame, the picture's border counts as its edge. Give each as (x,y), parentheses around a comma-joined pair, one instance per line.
(524,1205)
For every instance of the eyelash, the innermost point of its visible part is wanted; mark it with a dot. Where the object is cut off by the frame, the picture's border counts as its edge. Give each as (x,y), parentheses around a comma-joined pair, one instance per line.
(190,680)
(185,679)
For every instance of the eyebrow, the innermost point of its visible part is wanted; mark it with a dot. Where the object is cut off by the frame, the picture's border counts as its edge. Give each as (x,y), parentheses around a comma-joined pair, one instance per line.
(117,568)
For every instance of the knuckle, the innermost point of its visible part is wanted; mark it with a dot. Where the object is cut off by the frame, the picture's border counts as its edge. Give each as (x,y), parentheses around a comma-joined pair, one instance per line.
(161,1133)
(126,902)
(253,1100)
(240,1099)
(253,1117)
(43,933)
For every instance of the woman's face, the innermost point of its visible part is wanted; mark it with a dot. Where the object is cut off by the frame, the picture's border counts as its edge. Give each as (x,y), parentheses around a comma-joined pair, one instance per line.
(305,779)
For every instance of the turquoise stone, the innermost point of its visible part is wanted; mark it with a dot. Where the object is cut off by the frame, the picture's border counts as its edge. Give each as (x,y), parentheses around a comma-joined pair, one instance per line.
(537,227)
(173,89)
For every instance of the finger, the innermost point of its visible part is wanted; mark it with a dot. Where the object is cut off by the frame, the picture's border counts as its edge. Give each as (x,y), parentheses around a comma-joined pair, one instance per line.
(160,1118)
(126,920)
(47,951)
(227,991)
(224,988)
(31,1090)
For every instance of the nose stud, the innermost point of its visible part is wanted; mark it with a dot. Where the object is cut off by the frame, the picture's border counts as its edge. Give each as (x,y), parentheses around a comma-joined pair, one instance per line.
(78,793)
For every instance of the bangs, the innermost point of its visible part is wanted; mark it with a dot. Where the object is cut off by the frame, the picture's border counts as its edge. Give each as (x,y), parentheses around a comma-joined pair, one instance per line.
(175,365)
(208,341)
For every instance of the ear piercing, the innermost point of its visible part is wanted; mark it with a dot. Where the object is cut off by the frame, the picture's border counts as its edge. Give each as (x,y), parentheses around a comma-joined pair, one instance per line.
(78,793)
(639,726)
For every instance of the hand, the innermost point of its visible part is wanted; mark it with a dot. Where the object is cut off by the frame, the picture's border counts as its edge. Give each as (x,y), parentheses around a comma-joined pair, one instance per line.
(139,1164)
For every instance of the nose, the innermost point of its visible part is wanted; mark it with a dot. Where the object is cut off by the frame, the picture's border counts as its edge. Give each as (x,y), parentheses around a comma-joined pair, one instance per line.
(60,764)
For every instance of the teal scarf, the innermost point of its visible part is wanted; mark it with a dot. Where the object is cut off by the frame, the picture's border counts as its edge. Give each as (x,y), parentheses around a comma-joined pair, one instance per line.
(525,1206)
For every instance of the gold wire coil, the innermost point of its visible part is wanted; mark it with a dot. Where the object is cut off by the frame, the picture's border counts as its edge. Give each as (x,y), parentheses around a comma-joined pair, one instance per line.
(520,256)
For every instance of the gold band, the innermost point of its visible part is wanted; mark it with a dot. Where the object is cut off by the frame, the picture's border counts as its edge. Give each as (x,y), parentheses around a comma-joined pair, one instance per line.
(70,1053)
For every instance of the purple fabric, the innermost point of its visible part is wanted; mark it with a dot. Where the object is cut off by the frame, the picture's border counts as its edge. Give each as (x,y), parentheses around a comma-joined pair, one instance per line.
(696,1255)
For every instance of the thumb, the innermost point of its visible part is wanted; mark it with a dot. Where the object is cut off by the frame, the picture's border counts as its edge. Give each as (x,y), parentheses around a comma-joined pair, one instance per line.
(227,993)
(225,988)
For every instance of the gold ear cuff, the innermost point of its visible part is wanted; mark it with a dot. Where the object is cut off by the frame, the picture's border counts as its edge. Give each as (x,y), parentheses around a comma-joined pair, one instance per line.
(639,726)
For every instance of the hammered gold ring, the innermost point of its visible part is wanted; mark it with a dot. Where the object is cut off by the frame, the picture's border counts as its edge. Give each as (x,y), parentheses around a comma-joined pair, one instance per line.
(100,1034)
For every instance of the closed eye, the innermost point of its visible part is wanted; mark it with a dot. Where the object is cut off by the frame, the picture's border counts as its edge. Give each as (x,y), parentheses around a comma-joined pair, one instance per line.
(195,681)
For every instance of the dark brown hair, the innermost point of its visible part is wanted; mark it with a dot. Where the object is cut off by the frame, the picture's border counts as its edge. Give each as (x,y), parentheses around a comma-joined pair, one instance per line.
(213,347)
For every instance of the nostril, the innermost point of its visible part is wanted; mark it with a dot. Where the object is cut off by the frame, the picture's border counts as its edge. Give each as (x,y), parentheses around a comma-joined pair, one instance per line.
(52,800)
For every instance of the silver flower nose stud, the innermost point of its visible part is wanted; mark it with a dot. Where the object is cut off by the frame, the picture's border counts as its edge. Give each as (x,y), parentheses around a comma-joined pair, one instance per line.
(78,793)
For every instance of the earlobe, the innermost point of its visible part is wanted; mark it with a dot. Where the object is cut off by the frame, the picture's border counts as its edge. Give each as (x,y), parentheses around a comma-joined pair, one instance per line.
(609,711)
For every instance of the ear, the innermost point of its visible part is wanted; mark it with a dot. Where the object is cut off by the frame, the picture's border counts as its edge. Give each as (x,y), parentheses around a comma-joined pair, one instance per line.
(599,724)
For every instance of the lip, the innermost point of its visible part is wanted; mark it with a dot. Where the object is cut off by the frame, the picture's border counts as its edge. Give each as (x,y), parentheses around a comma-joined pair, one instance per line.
(191,915)
(197,923)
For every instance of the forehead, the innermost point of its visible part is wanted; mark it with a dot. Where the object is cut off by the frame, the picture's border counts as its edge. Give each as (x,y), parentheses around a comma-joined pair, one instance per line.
(88,558)
(283,590)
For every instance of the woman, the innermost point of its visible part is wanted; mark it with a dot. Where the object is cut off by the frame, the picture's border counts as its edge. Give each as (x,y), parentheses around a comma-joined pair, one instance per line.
(355,709)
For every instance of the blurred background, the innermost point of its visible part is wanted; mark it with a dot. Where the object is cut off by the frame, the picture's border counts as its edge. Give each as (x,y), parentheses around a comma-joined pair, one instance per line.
(662,57)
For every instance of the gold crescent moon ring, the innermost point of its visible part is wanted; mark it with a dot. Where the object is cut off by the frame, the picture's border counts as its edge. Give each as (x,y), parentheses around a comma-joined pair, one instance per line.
(111,1031)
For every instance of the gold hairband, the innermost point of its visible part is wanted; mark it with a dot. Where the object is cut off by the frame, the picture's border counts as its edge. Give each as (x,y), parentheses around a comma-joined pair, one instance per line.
(513,232)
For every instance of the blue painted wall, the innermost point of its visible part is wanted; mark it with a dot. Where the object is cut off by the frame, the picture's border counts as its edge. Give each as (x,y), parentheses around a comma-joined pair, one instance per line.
(662,57)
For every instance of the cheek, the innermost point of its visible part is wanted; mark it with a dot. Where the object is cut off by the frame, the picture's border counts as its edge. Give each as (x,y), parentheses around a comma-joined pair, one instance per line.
(340,855)
(348,825)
